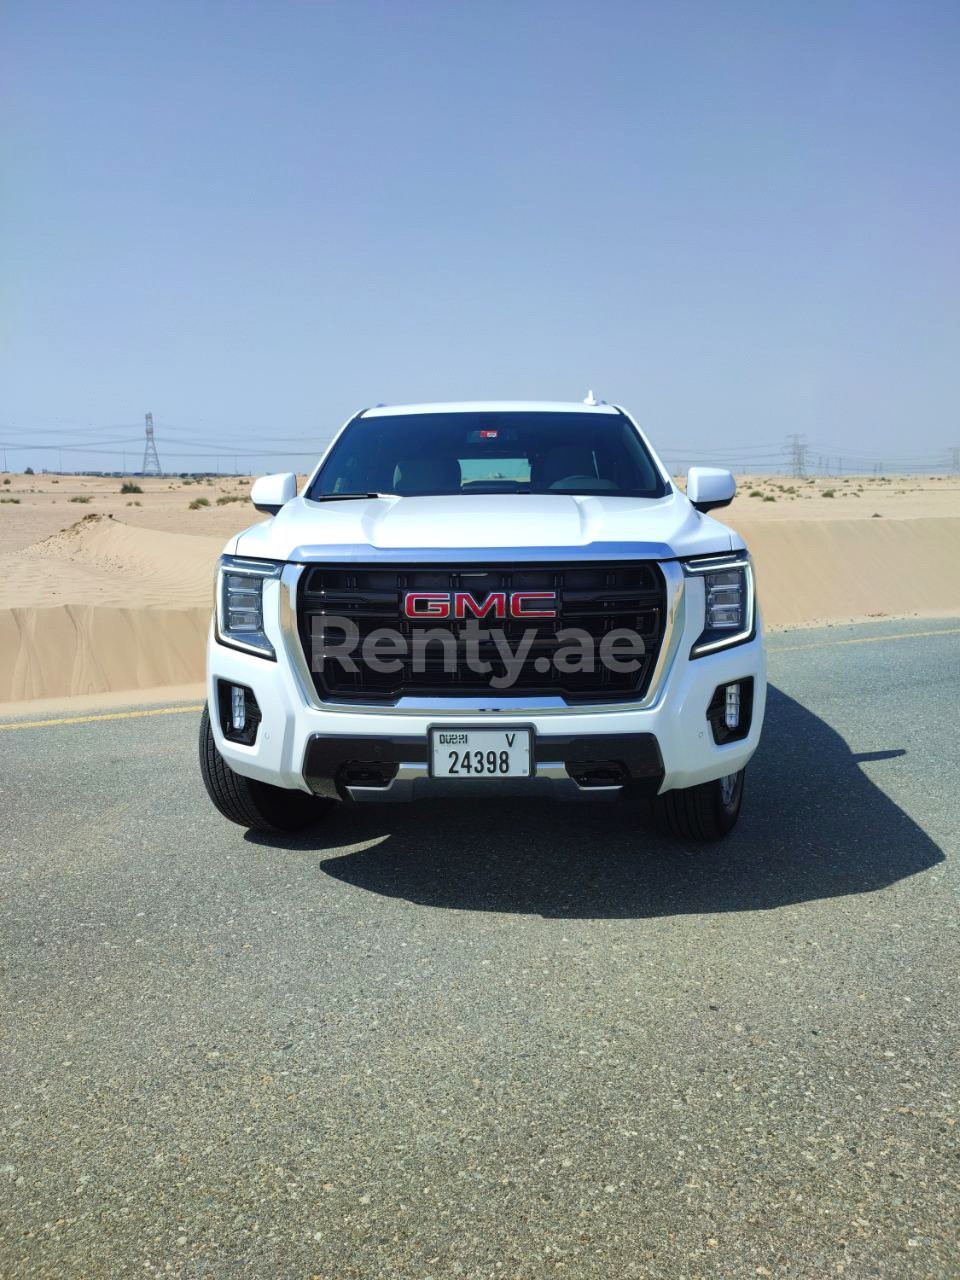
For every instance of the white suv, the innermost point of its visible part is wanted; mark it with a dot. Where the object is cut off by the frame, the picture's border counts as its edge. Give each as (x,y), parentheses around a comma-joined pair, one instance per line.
(483,599)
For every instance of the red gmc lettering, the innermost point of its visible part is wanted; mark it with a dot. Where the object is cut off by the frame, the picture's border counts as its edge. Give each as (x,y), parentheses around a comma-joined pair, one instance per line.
(458,604)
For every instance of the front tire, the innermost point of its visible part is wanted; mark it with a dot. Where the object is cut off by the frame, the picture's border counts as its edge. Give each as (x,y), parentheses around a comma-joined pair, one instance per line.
(705,812)
(256,805)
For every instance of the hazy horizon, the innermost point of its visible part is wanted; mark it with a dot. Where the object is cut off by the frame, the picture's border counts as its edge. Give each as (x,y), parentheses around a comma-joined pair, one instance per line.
(255,219)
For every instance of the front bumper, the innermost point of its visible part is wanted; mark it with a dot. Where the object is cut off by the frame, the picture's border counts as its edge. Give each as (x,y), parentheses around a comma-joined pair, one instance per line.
(665,743)
(396,768)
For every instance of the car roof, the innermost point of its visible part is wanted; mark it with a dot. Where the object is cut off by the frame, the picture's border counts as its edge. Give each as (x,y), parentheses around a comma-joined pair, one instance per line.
(490,406)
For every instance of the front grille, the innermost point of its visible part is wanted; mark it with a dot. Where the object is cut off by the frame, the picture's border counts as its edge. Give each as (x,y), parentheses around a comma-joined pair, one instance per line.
(594,598)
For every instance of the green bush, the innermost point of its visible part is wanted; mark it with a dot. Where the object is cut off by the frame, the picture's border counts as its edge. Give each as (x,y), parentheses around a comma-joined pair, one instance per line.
(129,487)
(229,497)
(769,498)
(755,493)
(829,493)
(14,501)
(80,497)
(197,503)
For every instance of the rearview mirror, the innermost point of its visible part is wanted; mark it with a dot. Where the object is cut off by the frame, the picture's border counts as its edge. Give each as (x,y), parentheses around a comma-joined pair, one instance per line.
(270,493)
(709,487)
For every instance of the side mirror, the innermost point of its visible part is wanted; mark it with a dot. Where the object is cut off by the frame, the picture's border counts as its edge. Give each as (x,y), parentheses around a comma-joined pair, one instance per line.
(709,487)
(270,493)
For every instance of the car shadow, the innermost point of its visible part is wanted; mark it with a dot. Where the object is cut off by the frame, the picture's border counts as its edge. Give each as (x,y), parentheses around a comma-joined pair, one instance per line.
(813,826)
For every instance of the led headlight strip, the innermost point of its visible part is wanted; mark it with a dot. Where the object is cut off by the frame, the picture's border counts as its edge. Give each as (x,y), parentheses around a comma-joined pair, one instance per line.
(240,603)
(729,601)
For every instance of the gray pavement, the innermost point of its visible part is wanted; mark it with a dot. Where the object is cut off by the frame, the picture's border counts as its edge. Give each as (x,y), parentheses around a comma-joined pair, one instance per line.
(479,1041)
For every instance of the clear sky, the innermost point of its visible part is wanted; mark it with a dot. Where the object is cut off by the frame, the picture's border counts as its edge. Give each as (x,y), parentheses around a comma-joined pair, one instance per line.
(739,220)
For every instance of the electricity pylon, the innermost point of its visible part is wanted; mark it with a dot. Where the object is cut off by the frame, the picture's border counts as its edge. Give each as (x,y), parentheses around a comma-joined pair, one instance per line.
(151,459)
(798,454)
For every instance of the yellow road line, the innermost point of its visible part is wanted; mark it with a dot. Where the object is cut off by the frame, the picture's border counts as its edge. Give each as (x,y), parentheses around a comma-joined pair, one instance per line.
(111,715)
(900,635)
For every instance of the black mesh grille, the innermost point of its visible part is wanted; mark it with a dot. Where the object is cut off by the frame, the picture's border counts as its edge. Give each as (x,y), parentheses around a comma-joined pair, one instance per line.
(596,598)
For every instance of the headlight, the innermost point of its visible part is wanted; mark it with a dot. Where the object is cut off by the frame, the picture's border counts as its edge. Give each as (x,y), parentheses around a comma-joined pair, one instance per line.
(240,603)
(728,601)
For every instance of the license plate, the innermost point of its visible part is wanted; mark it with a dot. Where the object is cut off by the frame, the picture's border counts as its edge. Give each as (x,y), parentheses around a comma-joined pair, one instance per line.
(481,753)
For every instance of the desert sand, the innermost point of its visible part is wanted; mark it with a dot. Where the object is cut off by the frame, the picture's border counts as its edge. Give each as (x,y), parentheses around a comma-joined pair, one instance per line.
(104,593)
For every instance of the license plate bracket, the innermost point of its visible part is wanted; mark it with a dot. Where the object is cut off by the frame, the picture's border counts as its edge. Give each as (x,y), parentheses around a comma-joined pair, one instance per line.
(480,753)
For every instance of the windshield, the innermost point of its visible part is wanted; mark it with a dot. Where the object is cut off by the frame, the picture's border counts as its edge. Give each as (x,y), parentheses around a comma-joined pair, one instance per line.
(500,452)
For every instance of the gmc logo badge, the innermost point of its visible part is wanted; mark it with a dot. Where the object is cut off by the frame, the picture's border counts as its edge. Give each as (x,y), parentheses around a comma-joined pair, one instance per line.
(498,604)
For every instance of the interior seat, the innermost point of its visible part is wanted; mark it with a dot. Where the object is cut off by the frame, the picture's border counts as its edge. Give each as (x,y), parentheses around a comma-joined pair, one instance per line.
(563,462)
(426,475)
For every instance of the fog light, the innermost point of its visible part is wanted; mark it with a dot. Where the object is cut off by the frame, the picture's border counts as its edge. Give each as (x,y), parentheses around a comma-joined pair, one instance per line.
(239,712)
(238,707)
(731,711)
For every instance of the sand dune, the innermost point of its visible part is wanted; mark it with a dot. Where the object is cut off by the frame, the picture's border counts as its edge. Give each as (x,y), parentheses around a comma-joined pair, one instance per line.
(101,559)
(101,606)
(118,599)
(80,649)
(844,570)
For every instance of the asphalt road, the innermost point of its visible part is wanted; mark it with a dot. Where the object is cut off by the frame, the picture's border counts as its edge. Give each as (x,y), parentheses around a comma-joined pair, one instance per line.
(476,1041)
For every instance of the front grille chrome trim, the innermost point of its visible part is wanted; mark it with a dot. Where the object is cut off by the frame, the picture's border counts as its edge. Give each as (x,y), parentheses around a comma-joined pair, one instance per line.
(490,704)
(590,601)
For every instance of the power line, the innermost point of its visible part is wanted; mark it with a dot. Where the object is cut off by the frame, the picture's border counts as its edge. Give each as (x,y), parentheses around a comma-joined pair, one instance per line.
(184,446)
(93,447)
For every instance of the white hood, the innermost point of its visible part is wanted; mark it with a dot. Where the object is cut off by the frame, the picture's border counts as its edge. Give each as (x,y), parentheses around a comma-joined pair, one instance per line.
(513,526)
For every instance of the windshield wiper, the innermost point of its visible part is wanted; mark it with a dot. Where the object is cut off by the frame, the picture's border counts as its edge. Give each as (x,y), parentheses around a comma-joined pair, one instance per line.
(346,497)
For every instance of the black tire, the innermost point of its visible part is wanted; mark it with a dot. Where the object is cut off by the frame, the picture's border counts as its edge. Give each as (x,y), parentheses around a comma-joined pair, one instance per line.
(253,804)
(701,812)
